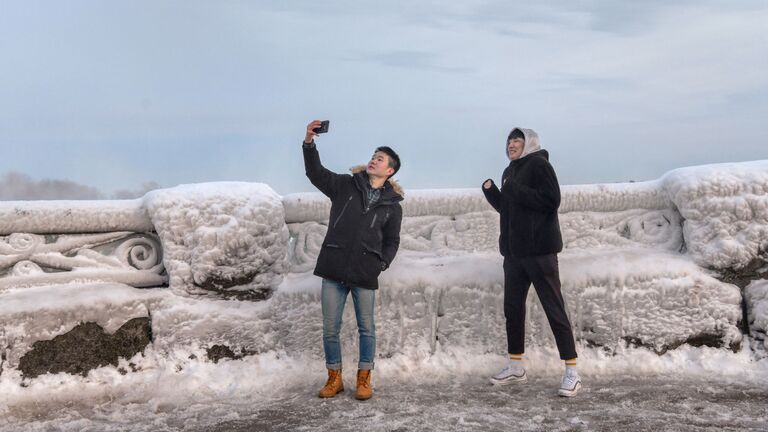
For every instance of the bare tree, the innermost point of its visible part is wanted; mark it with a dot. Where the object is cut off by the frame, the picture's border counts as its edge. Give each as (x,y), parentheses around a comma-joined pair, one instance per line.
(18,186)
(137,193)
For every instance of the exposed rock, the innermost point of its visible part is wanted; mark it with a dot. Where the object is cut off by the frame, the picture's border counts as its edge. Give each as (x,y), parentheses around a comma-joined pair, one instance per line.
(756,269)
(86,347)
(218,352)
(238,288)
(710,340)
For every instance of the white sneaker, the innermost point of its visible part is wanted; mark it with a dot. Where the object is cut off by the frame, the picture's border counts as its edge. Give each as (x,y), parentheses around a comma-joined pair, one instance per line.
(512,373)
(570,385)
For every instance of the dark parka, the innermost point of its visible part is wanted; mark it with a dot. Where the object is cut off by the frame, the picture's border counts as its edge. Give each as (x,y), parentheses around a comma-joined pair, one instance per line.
(361,242)
(528,203)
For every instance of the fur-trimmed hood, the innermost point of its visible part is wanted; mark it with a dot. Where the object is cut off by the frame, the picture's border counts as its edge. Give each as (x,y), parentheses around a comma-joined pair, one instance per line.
(395,185)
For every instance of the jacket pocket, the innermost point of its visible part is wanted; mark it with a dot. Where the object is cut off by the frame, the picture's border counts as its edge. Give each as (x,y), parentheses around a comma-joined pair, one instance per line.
(332,261)
(373,251)
(370,264)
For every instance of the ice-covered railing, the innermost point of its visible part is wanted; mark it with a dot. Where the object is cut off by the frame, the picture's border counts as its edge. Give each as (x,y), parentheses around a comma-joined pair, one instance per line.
(228,238)
(73,217)
(314,206)
(636,266)
(441,221)
(53,242)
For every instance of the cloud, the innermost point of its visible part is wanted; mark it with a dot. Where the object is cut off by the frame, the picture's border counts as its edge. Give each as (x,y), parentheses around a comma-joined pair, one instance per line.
(413,60)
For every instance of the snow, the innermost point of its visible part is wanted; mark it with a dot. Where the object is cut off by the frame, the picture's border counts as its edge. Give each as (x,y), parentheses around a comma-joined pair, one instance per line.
(220,232)
(173,392)
(661,299)
(60,217)
(725,207)
(635,270)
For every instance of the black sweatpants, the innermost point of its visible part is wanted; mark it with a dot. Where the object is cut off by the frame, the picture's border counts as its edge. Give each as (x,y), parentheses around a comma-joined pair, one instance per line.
(542,271)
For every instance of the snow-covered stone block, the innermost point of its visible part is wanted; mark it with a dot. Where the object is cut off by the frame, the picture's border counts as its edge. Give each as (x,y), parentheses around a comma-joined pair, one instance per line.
(229,238)
(650,298)
(725,207)
(188,325)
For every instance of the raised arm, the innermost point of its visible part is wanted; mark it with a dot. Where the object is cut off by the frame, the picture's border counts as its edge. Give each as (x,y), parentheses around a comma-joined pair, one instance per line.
(323,179)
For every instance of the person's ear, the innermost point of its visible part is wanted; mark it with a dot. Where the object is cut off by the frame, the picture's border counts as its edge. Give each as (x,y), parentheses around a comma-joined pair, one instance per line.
(390,171)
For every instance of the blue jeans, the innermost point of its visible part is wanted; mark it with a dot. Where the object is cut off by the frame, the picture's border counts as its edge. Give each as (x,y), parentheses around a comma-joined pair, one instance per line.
(333,297)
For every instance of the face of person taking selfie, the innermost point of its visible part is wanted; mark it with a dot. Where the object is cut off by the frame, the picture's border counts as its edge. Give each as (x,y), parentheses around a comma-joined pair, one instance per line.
(379,167)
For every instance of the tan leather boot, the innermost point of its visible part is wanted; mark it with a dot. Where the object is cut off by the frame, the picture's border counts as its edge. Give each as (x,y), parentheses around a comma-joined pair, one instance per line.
(364,386)
(334,386)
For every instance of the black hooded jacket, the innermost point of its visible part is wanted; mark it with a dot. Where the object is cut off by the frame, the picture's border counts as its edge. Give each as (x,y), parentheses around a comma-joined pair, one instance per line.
(527,204)
(361,242)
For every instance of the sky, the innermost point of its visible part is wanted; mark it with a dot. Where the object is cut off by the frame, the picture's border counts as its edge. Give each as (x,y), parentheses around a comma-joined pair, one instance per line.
(113,96)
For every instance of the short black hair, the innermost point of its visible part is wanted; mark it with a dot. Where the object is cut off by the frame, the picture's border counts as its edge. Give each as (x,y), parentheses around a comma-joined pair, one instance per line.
(394,159)
(516,133)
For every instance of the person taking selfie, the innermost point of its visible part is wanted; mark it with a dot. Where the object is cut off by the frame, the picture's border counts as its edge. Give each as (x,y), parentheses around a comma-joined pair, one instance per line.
(362,239)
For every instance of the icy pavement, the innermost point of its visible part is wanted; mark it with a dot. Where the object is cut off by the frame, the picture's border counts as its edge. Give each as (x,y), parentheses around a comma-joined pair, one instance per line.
(614,404)
(659,403)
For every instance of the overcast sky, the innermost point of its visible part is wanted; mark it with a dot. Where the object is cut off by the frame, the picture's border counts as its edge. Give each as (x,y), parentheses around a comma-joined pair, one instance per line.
(114,95)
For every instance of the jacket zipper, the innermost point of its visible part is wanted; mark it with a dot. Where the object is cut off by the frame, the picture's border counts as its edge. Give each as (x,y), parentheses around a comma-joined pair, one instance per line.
(374,219)
(342,211)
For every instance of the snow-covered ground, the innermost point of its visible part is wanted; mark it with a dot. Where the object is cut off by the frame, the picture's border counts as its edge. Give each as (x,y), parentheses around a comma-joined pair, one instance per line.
(640,277)
(686,389)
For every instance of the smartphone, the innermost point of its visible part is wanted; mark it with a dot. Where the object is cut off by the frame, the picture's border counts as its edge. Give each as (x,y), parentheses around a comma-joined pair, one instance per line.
(323,127)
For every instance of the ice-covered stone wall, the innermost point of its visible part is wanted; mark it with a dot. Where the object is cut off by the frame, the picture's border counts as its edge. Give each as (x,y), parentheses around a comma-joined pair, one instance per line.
(640,266)
(635,267)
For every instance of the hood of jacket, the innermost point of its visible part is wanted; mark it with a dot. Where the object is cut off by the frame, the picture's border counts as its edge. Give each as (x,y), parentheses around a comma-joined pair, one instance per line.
(394,186)
(532,143)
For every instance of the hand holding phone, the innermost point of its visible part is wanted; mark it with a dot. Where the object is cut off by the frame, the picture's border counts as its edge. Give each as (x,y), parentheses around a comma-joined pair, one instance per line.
(315,127)
(323,128)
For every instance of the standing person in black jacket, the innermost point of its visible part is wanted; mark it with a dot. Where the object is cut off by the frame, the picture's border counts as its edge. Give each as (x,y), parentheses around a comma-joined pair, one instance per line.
(530,240)
(362,240)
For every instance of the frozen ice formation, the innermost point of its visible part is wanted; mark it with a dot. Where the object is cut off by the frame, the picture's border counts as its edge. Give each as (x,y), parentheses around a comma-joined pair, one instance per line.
(224,237)
(639,266)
